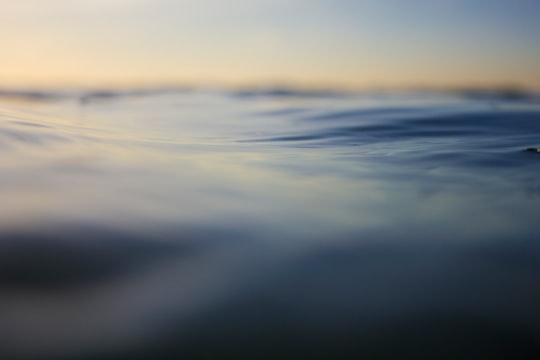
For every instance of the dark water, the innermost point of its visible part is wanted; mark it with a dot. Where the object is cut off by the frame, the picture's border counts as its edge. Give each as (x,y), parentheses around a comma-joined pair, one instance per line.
(269,224)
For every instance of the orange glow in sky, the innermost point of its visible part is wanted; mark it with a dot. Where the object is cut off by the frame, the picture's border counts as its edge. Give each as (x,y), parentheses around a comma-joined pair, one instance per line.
(317,42)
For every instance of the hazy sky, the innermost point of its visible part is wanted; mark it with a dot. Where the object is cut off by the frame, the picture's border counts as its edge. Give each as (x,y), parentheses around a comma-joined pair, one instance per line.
(311,42)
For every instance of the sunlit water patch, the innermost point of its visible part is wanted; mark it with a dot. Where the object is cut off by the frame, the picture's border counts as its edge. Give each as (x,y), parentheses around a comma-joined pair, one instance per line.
(268,224)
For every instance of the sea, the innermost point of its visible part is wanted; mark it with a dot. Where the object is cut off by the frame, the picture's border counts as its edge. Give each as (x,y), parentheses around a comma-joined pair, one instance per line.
(269,223)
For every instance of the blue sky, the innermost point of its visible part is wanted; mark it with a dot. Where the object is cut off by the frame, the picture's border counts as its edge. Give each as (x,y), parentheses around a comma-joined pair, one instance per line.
(360,43)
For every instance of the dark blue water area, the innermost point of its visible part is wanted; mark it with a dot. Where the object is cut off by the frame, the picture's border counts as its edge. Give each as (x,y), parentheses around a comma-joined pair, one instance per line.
(269,223)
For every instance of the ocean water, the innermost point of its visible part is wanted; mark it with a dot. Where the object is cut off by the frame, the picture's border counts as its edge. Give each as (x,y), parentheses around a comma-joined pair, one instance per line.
(269,224)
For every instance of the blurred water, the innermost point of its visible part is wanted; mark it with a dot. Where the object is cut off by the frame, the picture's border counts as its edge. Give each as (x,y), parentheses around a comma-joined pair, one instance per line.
(269,224)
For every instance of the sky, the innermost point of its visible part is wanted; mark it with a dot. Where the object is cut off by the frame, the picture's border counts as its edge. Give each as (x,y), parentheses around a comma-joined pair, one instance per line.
(348,43)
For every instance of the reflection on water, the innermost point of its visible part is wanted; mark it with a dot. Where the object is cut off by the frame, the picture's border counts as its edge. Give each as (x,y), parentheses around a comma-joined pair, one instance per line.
(269,224)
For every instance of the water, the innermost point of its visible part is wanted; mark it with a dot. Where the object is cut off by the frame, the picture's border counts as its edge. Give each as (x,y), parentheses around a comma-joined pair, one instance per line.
(217,224)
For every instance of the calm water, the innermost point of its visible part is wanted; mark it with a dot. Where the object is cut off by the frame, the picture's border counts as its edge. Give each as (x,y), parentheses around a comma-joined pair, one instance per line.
(269,224)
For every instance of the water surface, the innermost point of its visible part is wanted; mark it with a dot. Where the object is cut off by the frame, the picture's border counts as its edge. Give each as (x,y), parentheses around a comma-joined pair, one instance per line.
(269,224)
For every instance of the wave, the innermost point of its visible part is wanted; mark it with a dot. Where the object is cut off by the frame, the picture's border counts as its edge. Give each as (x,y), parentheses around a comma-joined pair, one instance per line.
(85,96)
(485,94)
(398,124)
(100,293)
